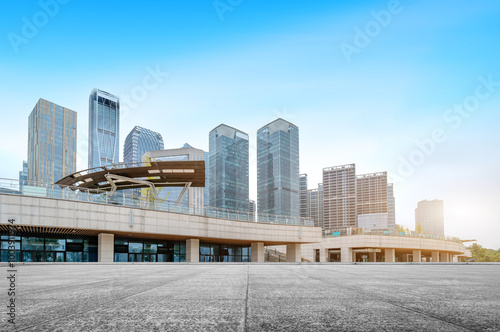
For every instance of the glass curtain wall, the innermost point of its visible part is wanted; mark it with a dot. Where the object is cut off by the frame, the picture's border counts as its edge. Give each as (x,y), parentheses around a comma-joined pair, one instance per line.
(48,248)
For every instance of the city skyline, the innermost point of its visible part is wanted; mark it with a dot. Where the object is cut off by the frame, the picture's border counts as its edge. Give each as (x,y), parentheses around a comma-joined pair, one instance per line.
(402,104)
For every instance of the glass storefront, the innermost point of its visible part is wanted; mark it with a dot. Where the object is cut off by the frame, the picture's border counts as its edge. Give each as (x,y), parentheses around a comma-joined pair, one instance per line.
(141,250)
(48,248)
(215,252)
(62,248)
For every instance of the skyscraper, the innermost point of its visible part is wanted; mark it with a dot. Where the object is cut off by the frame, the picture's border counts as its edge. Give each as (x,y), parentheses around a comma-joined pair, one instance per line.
(228,167)
(339,190)
(23,175)
(138,141)
(391,206)
(372,202)
(51,142)
(316,205)
(304,206)
(104,128)
(278,168)
(430,216)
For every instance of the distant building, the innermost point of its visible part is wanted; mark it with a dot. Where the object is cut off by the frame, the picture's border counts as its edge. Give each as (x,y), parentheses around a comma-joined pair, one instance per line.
(228,167)
(206,190)
(315,207)
(391,206)
(339,186)
(104,129)
(51,143)
(430,216)
(278,168)
(139,141)
(23,175)
(251,208)
(371,201)
(304,206)
(194,195)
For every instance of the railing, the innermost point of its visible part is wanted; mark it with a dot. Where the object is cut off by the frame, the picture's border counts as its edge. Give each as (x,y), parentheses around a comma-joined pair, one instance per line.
(25,188)
(361,231)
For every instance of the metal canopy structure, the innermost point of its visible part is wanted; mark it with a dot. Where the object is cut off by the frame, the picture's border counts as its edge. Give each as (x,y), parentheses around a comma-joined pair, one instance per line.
(139,175)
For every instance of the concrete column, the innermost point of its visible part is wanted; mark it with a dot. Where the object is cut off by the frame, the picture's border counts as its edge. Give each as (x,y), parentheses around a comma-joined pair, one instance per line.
(435,256)
(294,252)
(454,259)
(346,255)
(417,256)
(372,257)
(390,255)
(406,258)
(257,252)
(323,255)
(193,250)
(444,257)
(105,247)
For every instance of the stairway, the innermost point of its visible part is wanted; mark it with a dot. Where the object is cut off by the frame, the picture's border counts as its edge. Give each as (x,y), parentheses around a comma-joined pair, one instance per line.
(273,255)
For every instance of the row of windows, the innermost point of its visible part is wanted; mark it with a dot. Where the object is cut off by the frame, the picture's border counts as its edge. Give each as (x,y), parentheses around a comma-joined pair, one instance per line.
(48,249)
(84,249)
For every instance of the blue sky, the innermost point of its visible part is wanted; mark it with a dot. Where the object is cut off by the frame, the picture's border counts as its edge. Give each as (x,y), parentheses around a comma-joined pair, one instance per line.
(274,59)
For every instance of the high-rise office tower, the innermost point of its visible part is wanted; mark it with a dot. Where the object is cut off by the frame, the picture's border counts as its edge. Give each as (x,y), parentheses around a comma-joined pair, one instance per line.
(315,205)
(104,128)
(278,168)
(228,167)
(339,196)
(304,206)
(391,206)
(430,216)
(139,141)
(51,142)
(372,202)
(194,195)
(23,175)
(207,178)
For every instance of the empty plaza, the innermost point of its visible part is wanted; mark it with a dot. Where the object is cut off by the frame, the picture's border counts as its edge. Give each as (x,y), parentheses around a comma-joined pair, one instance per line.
(254,297)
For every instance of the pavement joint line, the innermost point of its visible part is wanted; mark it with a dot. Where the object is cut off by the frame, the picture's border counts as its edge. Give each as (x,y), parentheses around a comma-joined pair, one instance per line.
(245,327)
(109,302)
(378,298)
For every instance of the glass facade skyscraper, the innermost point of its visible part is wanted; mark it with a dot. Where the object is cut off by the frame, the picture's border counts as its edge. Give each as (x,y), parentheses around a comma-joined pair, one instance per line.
(304,207)
(104,128)
(51,142)
(228,167)
(278,168)
(139,141)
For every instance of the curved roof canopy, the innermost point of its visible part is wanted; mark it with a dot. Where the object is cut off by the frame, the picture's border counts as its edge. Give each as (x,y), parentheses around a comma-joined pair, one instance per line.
(138,175)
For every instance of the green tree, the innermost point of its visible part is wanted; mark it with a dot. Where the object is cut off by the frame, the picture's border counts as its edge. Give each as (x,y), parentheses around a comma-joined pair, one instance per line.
(419,229)
(484,255)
